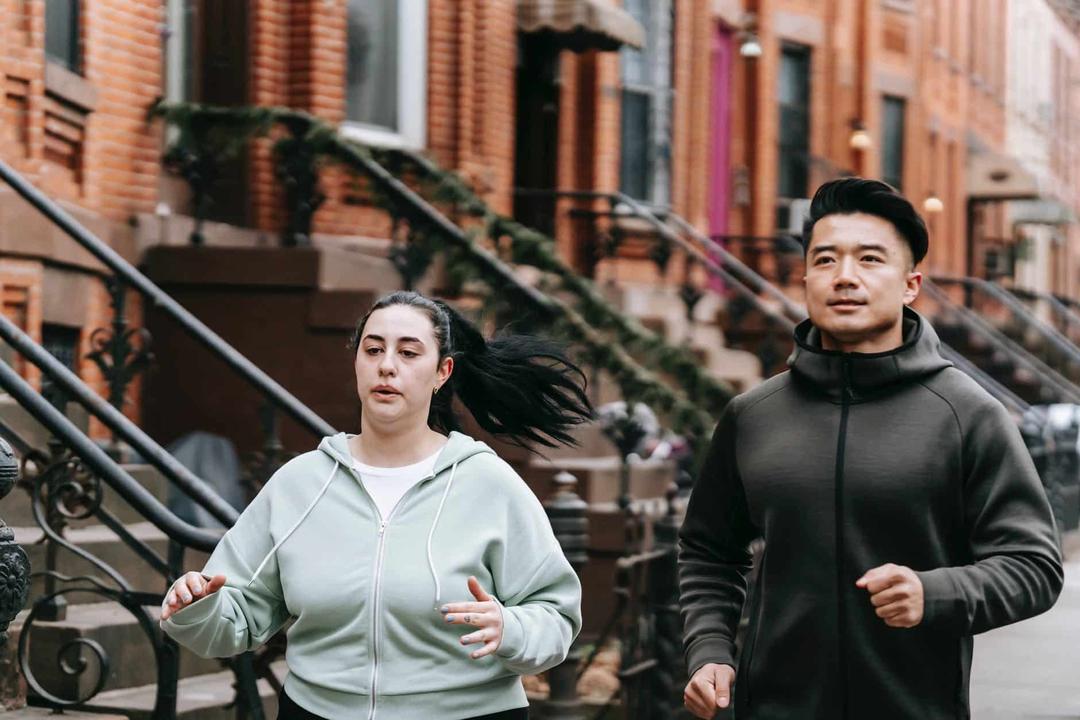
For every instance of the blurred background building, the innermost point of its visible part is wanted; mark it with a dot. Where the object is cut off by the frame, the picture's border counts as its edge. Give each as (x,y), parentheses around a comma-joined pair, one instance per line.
(663,151)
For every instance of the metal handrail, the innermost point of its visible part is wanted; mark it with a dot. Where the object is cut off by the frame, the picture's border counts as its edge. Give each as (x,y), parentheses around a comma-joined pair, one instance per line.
(196,488)
(1019,310)
(1059,307)
(1007,397)
(726,265)
(1046,374)
(105,467)
(161,299)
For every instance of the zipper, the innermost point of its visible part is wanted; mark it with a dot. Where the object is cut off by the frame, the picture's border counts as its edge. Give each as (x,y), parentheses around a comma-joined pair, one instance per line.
(375,616)
(377,591)
(839,520)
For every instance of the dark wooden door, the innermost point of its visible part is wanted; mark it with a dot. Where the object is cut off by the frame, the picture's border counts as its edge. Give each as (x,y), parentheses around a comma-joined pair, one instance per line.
(537,131)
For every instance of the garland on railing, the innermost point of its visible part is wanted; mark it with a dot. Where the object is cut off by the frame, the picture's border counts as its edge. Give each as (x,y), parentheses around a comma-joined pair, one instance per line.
(530,247)
(310,139)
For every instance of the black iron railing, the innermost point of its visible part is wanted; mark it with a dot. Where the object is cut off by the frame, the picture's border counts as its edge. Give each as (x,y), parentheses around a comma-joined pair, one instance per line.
(124,274)
(1053,387)
(1012,317)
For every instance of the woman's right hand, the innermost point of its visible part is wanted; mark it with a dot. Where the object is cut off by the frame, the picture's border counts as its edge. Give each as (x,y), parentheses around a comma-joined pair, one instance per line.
(188,588)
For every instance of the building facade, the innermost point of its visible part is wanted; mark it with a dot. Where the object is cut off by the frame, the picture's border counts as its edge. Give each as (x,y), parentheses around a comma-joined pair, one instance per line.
(726,112)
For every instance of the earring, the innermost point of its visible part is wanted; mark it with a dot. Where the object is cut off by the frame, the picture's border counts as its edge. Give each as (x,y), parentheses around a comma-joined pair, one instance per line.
(436,391)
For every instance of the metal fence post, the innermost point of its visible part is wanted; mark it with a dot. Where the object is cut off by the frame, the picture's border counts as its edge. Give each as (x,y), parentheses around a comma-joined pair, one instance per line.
(567,513)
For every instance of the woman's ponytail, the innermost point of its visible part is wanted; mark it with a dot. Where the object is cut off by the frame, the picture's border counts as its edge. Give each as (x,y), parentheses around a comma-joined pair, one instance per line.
(521,387)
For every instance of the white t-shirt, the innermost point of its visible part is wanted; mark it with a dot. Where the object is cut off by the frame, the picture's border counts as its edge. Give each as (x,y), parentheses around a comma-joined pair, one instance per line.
(387,485)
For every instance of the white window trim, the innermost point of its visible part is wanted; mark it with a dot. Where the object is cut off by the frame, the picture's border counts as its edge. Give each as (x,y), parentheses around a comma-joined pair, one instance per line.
(412,86)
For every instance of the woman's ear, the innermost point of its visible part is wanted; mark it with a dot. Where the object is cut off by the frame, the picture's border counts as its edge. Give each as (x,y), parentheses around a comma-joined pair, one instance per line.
(446,369)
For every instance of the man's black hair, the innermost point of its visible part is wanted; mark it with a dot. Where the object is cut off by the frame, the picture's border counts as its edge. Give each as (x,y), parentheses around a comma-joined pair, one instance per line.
(873,197)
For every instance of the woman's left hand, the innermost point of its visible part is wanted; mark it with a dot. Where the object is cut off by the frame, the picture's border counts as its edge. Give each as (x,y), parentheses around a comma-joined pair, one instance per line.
(485,614)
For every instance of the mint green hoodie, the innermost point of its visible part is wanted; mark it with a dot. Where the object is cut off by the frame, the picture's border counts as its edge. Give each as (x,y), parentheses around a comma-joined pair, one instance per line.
(365,591)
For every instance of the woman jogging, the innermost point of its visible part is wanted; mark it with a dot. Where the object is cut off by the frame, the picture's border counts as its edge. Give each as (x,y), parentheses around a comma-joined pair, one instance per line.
(421,572)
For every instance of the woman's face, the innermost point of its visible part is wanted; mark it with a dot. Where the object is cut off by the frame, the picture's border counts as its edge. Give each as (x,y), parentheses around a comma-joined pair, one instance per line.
(397,366)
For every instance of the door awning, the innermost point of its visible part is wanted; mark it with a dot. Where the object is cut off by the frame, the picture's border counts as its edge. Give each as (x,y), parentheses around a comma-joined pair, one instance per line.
(995,176)
(581,24)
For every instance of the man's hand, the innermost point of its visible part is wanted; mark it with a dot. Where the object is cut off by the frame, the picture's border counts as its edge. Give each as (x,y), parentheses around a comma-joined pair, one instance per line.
(896,592)
(709,690)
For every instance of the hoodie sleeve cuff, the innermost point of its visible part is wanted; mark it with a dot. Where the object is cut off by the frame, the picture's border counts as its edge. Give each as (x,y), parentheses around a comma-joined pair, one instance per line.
(709,650)
(197,612)
(513,635)
(943,606)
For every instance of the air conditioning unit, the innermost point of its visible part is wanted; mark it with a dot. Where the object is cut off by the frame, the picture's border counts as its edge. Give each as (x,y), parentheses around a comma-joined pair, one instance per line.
(791,215)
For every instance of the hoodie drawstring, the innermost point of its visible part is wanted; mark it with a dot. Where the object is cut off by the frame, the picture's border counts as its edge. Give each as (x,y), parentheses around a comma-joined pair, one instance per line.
(310,507)
(431,534)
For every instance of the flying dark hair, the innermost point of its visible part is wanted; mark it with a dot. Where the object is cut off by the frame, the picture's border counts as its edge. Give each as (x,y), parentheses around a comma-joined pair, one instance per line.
(873,197)
(519,387)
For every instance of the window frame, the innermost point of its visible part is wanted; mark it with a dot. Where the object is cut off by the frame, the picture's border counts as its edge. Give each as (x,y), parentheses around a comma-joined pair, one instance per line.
(902,103)
(807,56)
(73,40)
(660,102)
(412,86)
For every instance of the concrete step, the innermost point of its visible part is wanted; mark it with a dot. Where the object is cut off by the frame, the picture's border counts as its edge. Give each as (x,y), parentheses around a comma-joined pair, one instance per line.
(203,697)
(29,429)
(104,544)
(118,632)
(17,509)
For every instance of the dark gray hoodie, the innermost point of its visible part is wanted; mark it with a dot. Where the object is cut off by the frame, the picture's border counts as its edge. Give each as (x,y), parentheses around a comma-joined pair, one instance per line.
(842,464)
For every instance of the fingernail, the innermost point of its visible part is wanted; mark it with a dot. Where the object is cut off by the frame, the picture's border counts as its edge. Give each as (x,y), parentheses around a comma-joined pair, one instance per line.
(187,597)
(197,588)
(449,618)
(444,609)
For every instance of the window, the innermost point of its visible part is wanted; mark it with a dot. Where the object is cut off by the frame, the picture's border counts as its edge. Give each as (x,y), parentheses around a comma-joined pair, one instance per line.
(794,95)
(62,33)
(180,50)
(892,141)
(62,342)
(647,98)
(386,73)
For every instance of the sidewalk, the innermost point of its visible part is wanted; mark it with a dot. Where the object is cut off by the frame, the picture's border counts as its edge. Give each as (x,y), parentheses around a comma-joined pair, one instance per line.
(1032,669)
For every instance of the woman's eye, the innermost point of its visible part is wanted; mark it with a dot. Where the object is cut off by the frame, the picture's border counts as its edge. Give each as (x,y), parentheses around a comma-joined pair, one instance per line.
(409,353)
(373,351)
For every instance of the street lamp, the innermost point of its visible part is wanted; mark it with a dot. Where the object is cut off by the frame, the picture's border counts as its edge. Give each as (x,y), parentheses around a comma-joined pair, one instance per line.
(860,138)
(749,44)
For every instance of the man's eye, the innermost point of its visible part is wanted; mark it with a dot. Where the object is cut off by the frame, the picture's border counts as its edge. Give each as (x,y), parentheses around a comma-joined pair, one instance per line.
(872,258)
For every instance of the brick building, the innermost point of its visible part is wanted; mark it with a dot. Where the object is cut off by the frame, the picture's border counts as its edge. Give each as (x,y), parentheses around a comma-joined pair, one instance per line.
(730,112)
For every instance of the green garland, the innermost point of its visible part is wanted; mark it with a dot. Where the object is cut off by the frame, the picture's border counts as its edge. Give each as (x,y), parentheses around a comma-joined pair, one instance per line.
(530,247)
(690,418)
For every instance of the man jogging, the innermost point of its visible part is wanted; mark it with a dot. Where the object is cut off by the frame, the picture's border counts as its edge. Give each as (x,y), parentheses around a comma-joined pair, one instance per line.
(900,510)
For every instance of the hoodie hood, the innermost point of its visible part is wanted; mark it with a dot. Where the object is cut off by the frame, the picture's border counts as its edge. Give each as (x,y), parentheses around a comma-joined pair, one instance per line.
(867,374)
(458,447)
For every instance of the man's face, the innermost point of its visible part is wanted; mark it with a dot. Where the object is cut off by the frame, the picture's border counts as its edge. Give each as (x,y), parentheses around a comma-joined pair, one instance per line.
(859,277)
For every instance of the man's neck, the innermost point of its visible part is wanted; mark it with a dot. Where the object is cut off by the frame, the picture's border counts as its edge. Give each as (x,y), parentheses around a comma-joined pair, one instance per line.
(879,343)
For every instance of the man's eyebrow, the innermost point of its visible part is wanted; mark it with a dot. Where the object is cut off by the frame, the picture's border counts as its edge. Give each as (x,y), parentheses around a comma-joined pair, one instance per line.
(862,246)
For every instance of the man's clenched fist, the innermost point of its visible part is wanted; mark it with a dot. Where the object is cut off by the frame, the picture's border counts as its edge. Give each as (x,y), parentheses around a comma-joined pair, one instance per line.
(709,690)
(897,594)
